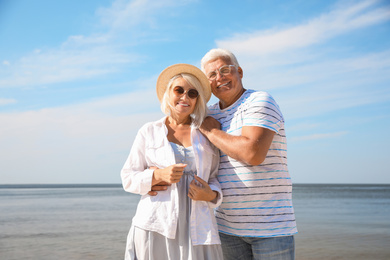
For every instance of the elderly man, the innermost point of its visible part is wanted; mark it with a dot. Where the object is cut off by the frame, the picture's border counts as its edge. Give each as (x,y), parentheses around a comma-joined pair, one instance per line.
(256,218)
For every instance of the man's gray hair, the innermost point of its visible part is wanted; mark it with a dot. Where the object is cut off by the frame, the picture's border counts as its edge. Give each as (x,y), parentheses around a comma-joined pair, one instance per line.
(214,54)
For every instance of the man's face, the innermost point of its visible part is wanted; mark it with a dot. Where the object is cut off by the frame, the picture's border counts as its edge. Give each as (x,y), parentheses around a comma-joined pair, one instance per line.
(227,88)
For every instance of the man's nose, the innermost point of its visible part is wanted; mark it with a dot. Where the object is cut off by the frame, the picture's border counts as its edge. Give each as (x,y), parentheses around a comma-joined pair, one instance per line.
(219,75)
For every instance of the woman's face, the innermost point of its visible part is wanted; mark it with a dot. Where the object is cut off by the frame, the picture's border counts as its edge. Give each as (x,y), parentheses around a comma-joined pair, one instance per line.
(183,97)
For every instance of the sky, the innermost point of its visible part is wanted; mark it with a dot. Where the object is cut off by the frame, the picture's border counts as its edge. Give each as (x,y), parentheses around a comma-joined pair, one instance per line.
(77,80)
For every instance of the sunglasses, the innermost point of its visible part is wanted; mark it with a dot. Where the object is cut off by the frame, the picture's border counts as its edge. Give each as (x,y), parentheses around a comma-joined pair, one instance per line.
(191,93)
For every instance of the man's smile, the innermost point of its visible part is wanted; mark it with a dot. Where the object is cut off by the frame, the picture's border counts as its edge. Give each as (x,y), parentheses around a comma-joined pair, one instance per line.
(224,84)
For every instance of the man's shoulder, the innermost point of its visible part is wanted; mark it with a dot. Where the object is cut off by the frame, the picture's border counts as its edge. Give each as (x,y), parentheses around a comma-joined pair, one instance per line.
(214,109)
(249,98)
(255,97)
(213,106)
(255,94)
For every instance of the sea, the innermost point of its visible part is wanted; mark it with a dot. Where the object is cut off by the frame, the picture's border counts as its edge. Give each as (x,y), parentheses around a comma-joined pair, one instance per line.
(90,221)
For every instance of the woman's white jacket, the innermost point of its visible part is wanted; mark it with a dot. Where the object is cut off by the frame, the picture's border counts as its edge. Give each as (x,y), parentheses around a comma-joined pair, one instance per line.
(160,213)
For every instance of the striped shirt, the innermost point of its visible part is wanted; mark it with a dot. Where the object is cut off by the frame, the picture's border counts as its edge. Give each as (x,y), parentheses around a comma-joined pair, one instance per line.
(256,199)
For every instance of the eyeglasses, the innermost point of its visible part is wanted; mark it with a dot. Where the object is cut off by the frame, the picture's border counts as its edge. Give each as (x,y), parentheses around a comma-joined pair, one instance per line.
(191,93)
(223,71)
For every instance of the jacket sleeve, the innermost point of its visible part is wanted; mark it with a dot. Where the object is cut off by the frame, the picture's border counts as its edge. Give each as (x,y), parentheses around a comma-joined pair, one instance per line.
(213,180)
(135,175)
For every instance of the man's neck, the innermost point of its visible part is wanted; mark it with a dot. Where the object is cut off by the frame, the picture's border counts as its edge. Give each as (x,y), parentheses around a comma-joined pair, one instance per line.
(227,103)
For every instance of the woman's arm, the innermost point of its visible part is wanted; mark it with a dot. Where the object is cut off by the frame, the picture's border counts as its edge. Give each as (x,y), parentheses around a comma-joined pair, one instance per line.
(135,175)
(138,177)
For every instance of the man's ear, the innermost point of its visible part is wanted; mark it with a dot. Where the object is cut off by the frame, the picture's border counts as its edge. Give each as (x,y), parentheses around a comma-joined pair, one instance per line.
(240,72)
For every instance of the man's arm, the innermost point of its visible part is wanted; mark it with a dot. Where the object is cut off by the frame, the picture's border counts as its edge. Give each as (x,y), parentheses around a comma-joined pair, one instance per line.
(251,147)
(158,187)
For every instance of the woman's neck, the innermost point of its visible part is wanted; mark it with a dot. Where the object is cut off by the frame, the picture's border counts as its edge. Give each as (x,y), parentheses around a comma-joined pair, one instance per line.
(179,122)
(179,131)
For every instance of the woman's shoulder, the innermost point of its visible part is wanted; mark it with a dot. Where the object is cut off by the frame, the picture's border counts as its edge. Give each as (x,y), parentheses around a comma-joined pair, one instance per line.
(153,125)
(153,133)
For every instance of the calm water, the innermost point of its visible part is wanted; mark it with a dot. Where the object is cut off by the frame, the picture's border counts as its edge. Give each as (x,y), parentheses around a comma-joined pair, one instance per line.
(92,221)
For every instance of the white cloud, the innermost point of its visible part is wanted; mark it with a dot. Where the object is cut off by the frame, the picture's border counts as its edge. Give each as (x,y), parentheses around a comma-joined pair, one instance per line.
(89,142)
(7,101)
(370,67)
(313,104)
(126,14)
(78,58)
(85,56)
(309,77)
(317,30)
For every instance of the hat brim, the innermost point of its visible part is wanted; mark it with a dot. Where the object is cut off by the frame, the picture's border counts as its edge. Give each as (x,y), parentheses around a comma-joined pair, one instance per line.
(167,74)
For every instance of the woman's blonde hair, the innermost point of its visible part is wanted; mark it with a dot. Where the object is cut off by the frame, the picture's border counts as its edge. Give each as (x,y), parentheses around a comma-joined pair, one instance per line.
(200,110)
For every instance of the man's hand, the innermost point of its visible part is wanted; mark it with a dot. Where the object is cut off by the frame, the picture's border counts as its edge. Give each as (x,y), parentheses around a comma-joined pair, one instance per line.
(200,190)
(209,123)
(158,187)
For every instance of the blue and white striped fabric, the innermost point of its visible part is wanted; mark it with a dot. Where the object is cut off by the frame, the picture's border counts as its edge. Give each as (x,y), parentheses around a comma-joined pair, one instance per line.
(256,199)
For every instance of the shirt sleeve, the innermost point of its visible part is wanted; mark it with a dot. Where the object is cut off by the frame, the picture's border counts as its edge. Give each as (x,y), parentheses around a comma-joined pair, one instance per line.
(263,111)
(135,175)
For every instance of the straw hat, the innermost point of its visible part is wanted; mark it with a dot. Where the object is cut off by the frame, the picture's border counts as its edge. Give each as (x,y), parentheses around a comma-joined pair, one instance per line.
(171,71)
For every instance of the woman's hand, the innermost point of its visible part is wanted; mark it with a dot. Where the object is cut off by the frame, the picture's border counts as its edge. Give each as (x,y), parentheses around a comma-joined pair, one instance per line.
(200,190)
(169,175)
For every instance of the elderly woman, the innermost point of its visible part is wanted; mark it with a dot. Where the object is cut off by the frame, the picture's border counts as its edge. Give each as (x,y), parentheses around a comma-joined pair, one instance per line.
(179,222)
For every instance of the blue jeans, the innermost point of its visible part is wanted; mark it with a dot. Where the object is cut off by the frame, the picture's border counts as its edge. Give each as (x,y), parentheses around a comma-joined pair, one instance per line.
(248,248)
